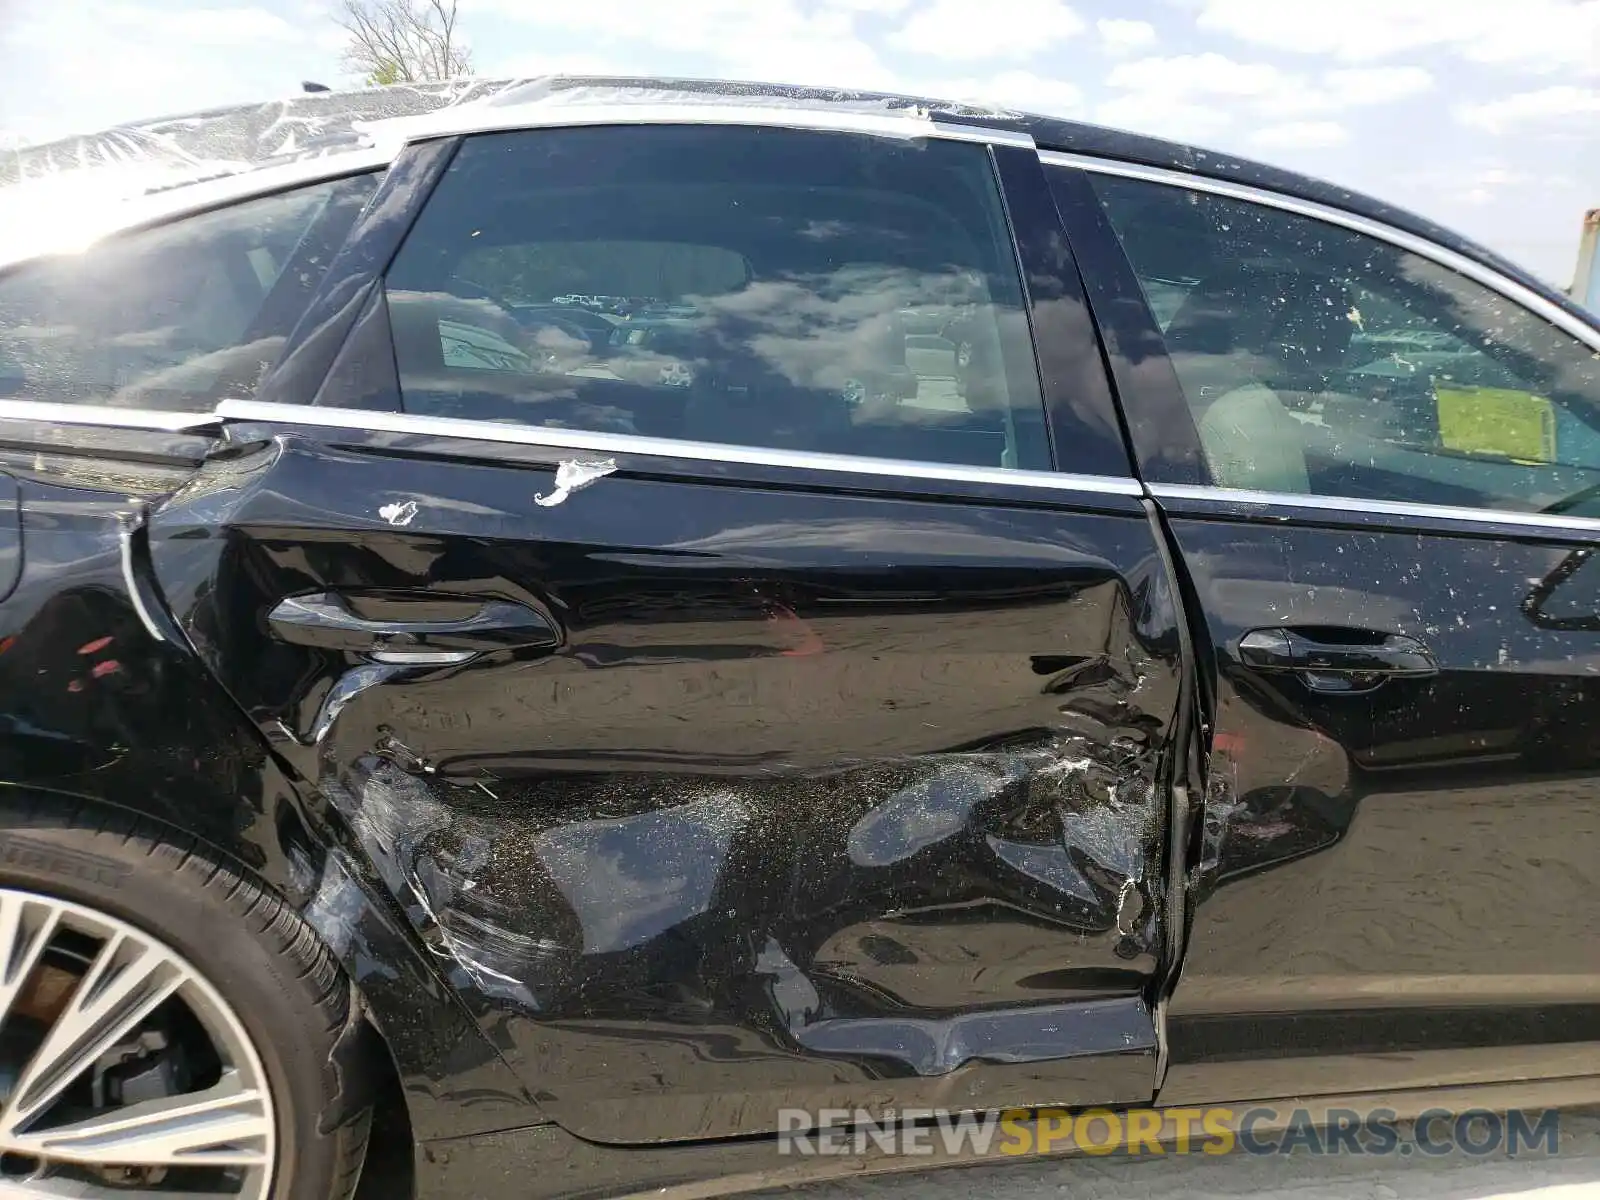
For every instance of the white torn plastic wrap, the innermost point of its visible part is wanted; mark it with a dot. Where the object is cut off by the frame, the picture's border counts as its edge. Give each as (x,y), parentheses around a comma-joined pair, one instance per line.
(398,513)
(572,475)
(77,178)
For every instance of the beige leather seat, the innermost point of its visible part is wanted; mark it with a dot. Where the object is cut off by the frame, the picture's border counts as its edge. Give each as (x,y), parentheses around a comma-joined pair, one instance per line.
(1236,330)
(1250,441)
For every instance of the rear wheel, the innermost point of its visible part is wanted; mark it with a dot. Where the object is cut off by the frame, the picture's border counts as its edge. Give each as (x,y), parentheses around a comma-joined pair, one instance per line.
(166,1026)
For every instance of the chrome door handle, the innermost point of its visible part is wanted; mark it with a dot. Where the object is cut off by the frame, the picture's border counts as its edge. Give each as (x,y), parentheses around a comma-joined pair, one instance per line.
(1358,664)
(325,620)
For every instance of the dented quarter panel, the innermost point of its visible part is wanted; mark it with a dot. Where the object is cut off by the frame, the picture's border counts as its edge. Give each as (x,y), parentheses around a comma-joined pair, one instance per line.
(825,797)
(1395,889)
(106,703)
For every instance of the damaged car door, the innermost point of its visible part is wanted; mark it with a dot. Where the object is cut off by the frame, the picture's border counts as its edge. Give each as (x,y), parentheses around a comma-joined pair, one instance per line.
(744,703)
(1396,455)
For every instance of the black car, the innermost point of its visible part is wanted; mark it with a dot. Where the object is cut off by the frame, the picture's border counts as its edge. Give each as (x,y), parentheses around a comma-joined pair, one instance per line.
(529,777)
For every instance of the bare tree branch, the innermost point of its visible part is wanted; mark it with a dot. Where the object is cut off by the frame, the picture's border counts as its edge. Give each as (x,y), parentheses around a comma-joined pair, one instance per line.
(403,41)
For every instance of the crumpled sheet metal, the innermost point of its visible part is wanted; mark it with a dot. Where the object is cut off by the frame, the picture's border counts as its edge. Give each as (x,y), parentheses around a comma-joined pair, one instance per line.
(834,895)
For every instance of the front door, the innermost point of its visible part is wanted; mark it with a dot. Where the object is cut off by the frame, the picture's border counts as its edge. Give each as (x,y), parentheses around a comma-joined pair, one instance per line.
(1391,547)
(701,646)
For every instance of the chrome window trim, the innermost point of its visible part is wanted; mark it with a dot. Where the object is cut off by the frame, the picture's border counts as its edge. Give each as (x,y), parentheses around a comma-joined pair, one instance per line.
(1459,263)
(896,123)
(624,443)
(55,413)
(1395,508)
(188,199)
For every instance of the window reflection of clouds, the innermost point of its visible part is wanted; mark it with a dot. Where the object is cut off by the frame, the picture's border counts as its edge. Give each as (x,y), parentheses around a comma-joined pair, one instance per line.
(792,290)
(820,330)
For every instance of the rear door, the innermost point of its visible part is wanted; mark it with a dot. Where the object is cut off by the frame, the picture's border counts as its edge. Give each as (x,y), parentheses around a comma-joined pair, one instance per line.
(682,609)
(1379,461)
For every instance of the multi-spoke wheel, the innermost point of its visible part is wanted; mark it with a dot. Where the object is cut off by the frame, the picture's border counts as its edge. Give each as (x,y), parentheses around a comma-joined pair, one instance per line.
(167,1028)
(121,1065)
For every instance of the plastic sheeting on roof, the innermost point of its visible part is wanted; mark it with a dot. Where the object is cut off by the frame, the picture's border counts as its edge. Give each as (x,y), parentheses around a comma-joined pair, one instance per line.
(145,156)
(62,194)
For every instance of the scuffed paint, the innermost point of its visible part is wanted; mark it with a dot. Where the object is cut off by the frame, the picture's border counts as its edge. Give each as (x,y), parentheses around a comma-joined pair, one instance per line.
(573,475)
(336,909)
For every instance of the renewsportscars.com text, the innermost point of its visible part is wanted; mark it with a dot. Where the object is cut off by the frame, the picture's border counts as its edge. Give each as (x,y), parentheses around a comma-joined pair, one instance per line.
(1213,1130)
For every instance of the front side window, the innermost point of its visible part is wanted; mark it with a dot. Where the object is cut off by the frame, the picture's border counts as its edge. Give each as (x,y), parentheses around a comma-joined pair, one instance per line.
(178,316)
(1320,360)
(758,287)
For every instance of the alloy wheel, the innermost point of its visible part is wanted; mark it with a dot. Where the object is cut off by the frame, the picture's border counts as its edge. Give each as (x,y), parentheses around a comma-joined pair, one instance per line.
(123,1072)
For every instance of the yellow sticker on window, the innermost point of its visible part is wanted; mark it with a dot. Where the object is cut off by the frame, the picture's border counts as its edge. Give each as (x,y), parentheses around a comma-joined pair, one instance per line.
(1499,421)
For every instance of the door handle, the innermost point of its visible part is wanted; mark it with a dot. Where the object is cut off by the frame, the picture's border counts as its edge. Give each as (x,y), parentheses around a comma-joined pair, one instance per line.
(1357,665)
(326,620)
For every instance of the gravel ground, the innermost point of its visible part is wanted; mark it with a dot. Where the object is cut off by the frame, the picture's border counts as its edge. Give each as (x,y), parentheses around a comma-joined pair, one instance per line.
(1572,1174)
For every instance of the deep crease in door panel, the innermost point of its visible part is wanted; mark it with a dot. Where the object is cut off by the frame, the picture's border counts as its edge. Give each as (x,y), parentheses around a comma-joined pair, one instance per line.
(749,894)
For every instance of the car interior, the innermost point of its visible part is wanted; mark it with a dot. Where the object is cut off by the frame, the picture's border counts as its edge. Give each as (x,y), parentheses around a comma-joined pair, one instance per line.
(835,318)
(1322,362)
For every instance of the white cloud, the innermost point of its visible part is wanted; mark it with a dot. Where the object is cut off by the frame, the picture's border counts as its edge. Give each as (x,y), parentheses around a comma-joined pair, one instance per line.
(963,29)
(1200,74)
(1161,116)
(1013,89)
(70,68)
(1377,85)
(1118,36)
(1539,34)
(779,40)
(1486,185)
(205,26)
(1201,94)
(1499,177)
(178,28)
(1557,104)
(1300,135)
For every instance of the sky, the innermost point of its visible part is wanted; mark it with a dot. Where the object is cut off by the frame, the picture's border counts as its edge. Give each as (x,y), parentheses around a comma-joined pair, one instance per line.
(1482,114)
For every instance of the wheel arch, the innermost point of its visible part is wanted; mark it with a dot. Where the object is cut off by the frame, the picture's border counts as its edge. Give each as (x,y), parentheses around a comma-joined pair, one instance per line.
(409,1031)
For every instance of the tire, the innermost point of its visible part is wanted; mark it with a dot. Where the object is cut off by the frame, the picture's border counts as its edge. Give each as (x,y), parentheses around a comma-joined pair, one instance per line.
(280,982)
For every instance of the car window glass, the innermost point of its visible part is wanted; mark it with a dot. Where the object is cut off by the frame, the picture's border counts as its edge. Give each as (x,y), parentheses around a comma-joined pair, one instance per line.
(178,316)
(1320,360)
(781,288)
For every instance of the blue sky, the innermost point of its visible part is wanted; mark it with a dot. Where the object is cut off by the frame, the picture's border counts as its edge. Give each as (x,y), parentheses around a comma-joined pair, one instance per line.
(1479,113)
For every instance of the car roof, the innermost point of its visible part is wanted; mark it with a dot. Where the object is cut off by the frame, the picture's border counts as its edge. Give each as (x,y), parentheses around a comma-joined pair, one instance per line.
(326,133)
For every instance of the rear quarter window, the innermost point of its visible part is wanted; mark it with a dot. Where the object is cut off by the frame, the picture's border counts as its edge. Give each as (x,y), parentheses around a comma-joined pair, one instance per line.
(178,316)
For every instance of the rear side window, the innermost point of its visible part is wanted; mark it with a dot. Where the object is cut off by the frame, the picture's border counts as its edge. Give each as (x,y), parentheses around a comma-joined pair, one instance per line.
(1322,361)
(757,287)
(175,317)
